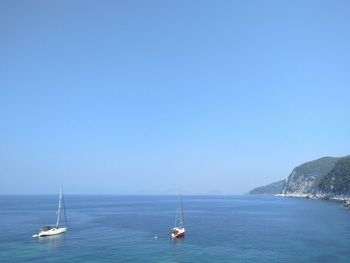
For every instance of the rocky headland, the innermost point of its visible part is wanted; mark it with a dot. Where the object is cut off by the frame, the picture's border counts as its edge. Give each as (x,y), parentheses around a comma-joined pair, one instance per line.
(324,178)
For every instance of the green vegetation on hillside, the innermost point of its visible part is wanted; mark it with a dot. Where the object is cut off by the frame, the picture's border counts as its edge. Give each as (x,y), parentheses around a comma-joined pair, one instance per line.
(337,181)
(271,189)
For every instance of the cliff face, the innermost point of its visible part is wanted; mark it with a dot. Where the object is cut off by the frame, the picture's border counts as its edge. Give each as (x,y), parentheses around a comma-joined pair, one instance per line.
(305,178)
(270,189)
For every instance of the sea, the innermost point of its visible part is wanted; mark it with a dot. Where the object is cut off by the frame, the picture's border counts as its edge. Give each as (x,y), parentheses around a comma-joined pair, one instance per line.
(136,229)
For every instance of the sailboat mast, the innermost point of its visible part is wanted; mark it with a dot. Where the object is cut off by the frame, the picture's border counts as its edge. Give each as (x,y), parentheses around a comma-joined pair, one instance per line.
(64,209)
(59,207)
(181,212)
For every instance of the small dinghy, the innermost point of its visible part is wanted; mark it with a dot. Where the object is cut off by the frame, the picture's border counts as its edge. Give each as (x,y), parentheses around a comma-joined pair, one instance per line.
(178,231)
(55,229)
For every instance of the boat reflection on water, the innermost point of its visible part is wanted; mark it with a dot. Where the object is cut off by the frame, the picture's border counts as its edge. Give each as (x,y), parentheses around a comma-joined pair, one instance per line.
(179,251)
(51,242)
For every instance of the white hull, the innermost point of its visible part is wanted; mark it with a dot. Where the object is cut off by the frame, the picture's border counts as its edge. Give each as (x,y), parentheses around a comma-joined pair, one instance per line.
(51,232)
(177,232)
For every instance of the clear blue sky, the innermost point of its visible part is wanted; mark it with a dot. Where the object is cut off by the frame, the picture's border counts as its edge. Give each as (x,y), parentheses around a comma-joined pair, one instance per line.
(139,97)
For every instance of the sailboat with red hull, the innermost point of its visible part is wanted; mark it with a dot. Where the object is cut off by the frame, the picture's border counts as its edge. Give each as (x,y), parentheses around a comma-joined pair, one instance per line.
(178,231)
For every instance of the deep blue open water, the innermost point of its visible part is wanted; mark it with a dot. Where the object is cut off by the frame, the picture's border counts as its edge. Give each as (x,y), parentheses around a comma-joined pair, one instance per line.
(219,229)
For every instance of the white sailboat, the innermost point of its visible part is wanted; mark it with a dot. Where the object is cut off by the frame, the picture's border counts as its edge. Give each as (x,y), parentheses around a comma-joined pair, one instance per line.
(178,231)
(55,229)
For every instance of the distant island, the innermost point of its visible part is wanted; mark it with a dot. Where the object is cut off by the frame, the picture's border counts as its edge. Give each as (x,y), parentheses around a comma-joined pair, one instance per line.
(324,178)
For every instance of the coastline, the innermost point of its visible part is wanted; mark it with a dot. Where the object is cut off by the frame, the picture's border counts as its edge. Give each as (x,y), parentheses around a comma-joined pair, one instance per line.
(345,199)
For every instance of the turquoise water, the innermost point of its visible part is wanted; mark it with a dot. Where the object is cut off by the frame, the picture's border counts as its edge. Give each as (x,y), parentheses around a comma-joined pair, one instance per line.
(219,229)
